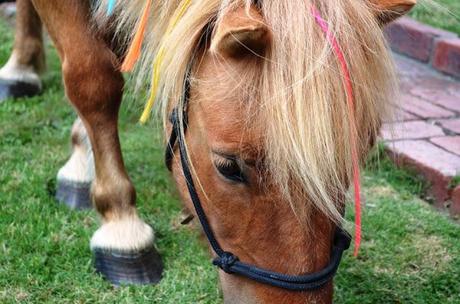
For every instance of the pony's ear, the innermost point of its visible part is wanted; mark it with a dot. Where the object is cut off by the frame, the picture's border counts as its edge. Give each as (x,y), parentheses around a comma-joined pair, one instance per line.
(240,32)
(388,10)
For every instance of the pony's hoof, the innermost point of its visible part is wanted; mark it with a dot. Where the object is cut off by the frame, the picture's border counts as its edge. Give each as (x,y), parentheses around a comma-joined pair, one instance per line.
(139,268)
(76,195)
(17,89)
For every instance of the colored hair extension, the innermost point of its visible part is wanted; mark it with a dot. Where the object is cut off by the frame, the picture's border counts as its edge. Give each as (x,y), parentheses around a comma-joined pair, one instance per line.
(134,50)
(351,107)
(159,60)
(153,86)
(307,137)
(110,7)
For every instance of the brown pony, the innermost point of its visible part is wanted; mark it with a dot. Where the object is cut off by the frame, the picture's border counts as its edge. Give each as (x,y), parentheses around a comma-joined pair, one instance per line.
(268,133)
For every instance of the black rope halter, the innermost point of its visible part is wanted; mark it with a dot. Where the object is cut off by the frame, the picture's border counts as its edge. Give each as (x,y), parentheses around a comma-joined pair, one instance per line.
(225,260)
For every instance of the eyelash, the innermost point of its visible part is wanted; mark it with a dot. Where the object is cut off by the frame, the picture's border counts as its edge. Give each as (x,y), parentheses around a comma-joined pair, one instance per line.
(223,164)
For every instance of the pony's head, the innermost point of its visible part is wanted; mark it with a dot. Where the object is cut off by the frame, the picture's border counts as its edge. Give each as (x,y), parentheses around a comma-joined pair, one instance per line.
(269,134)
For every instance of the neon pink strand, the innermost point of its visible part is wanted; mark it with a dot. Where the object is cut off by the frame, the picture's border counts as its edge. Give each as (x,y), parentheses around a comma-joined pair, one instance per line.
(351,107)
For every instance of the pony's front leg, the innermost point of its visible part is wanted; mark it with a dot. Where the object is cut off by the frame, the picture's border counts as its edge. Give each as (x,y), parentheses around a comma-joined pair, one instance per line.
(75,177)
(20,75)
(123,245)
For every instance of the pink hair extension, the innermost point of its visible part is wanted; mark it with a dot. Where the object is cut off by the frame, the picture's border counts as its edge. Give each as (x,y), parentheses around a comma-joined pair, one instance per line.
(351,107)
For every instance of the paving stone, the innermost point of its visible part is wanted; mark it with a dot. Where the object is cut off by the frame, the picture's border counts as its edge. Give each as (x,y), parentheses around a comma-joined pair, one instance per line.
(407,68)
(423,151)
(439,97)
(455,91)
(435,164)
(417,129)
(435,81)
(449,143)
(448,101)
(401,115)
(452,125)
(423,108)
(405,116)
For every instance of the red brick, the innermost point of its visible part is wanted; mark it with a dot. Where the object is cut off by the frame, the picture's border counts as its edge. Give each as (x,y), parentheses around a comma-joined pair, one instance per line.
(439,97)
(449,143)
(455,206)
(447,56)
(423,108)
(435,164)
(410,130)
(451,124)
(414,39)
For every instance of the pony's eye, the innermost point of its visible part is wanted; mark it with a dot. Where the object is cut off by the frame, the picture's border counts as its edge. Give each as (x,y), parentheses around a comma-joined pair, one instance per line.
(230,169)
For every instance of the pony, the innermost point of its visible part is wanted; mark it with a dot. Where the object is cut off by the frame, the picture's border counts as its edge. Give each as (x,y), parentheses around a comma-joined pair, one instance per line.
(270,136)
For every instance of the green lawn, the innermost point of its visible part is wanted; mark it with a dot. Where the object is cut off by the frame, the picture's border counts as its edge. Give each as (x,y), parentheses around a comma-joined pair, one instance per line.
(444,14)
(410,253)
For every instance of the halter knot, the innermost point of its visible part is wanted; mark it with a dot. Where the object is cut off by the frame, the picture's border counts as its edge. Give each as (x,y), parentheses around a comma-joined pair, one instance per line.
(225,261)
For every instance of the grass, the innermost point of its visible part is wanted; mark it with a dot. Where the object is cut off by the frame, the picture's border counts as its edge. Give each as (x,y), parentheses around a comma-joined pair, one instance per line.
(443,14)
(454,182)
(410,253)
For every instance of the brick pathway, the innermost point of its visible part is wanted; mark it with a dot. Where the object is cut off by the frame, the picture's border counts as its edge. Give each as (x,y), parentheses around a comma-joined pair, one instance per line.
(425,133)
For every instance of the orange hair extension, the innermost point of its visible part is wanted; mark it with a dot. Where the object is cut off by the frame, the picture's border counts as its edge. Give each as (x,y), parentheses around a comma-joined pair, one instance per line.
(134,50)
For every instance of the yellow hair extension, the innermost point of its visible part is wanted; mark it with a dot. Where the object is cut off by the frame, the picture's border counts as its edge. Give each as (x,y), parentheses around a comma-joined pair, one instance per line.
(153,86)
(158,61)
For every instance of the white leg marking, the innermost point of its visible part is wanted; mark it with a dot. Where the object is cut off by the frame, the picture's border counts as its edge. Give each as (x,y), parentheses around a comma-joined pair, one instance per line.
(15,71)
(126,235)
(80,167)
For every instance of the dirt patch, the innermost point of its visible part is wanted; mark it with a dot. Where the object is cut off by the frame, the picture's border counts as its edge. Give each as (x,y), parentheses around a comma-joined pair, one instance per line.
(433,255)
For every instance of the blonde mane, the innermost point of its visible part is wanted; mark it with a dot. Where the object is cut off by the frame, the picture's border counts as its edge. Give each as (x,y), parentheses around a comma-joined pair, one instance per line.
(300,91)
